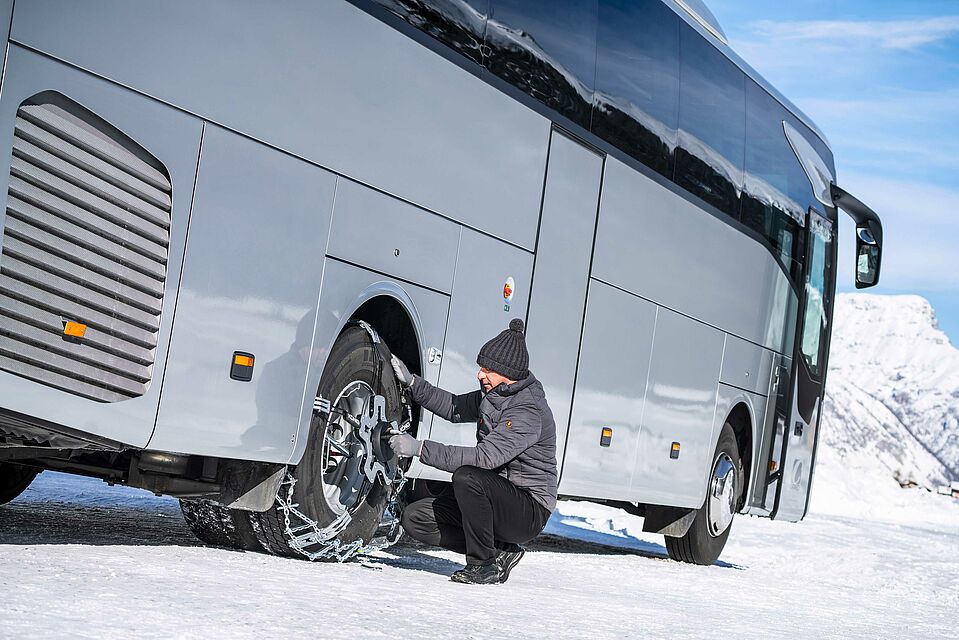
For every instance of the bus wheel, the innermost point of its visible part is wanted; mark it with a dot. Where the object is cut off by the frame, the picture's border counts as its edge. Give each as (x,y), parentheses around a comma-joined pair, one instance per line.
(14,480)
(707,536)
(220,526)
(330,479)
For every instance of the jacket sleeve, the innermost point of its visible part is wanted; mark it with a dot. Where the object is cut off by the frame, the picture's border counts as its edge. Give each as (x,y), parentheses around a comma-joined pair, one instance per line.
(462,408)
(501,445)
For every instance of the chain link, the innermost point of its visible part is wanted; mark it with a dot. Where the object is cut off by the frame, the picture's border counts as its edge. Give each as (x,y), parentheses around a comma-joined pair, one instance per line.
(307,538)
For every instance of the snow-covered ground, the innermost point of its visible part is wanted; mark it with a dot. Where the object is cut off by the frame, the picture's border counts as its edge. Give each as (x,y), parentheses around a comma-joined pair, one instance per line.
(81,559)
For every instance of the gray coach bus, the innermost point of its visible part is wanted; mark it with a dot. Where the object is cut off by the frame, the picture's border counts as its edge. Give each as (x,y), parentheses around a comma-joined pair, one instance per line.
(219,216)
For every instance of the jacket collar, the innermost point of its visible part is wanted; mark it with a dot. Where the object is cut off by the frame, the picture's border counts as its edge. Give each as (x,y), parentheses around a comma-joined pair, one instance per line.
(507,390)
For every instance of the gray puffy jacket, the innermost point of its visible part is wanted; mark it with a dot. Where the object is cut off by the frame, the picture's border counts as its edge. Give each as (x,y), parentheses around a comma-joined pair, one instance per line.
(515,434)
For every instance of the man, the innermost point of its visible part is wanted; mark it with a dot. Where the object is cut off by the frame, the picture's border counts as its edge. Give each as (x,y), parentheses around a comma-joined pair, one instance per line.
(504,488)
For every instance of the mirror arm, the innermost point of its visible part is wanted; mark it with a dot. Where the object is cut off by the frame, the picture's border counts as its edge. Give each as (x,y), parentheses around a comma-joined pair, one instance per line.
(858,211)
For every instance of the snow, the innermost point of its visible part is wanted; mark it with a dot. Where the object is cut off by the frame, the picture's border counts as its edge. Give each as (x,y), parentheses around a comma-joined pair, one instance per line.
(872,560)
(81,559)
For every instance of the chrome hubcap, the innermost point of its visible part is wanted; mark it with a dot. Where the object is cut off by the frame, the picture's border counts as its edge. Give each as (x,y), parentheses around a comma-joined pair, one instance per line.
(343,450)
(720,503)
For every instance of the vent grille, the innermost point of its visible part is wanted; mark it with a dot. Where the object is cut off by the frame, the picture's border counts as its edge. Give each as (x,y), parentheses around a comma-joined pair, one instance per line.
(86,240)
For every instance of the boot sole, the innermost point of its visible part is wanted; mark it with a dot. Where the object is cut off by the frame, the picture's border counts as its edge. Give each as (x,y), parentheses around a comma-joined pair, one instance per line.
(506,568)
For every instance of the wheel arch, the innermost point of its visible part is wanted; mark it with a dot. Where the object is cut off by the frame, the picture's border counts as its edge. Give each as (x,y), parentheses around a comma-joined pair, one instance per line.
(392,314)
(390,310)
(742,419)
(739,409)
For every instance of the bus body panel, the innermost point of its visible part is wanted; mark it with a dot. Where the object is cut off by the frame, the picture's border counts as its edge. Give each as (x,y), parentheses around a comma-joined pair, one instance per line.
(610,392)
(6,20)
(251,282)
(354,95)
(174,139)
(376,231)
(479,309)
(345,288)
(746,365)
(561,273)
(663,248)
(680,407)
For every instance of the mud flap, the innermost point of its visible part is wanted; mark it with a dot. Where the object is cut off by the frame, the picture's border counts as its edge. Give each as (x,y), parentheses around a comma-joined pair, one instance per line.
(668,521)
(250,486)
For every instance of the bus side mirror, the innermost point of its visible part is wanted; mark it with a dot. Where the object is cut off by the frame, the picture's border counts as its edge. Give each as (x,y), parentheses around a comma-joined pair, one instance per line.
(868,257)
(868,236)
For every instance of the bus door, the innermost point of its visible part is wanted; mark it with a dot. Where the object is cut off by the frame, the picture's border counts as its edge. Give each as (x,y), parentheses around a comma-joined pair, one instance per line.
(800,433)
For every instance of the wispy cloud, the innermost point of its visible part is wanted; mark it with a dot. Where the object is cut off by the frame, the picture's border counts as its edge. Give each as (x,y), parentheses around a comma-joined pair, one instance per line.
(891,34)
(903,130)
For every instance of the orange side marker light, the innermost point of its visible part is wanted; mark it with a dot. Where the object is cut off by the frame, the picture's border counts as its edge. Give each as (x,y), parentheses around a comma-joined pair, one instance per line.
(74,329)
(243,361)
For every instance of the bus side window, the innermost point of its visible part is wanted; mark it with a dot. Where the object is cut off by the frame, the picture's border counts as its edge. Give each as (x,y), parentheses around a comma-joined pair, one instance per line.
(457,24)
(547,49)
(636,103)
(712,121)
(777,192)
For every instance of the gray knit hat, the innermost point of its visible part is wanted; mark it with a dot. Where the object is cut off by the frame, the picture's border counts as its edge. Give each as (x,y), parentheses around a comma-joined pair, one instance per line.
(506,353)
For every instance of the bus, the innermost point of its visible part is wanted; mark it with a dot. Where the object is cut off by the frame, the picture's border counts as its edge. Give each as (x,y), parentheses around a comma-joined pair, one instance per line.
(222,217)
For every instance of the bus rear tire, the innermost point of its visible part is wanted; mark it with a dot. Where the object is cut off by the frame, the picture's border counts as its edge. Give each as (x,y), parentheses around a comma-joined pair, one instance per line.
(14,480)
(707,536)
(352,364)
(219,526)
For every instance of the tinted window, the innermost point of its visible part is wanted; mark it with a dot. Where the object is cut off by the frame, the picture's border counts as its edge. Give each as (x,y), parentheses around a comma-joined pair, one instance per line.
(777,192)
(546,48)
(815,322)
(457,23)
(712,120)
(636,104)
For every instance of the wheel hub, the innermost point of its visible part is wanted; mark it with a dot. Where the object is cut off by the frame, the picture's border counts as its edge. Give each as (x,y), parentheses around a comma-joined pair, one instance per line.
(355,448)
(343,450)
(720,503)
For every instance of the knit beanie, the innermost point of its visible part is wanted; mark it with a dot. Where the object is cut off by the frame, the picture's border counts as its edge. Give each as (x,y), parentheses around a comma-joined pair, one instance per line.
(506,353)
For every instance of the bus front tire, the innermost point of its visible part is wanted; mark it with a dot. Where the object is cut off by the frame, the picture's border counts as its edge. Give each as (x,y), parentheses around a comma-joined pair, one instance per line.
(14,480)
(352,364)
(707,536)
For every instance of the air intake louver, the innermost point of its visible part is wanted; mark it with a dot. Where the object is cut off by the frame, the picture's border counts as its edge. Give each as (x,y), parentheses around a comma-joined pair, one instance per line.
(85,240)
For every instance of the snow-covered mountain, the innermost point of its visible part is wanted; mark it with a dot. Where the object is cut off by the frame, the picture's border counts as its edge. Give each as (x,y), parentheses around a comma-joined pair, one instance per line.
(892,395)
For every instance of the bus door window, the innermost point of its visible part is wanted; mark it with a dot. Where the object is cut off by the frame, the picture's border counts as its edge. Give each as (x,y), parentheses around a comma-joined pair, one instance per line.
(815,320)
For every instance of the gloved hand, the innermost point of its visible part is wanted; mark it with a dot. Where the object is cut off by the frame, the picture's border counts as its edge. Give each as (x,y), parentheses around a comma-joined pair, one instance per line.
(405,445)
(403,375)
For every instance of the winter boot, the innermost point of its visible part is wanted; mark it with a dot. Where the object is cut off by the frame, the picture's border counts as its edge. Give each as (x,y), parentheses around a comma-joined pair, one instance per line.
(478,574)
(509,558)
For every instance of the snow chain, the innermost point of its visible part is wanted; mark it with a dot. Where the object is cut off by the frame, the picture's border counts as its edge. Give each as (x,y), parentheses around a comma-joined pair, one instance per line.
(304,535)
(314,542)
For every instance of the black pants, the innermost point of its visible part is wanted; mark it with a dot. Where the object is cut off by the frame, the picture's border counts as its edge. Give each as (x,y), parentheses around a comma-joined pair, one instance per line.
(484,511)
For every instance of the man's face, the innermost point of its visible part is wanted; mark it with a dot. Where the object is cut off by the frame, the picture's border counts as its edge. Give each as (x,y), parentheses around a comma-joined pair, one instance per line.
(491,379)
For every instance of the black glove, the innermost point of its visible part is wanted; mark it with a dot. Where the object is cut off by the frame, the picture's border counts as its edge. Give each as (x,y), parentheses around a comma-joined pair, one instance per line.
(403,375)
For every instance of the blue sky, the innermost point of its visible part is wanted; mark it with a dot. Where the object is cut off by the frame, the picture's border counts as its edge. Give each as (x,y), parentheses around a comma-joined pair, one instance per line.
(881,79)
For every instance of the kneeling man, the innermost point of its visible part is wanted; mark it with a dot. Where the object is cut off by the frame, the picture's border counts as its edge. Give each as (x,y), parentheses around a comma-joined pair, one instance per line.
(504,488)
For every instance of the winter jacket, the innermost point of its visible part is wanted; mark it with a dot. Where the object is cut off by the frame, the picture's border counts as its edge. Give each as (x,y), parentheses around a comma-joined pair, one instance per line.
(515,434)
